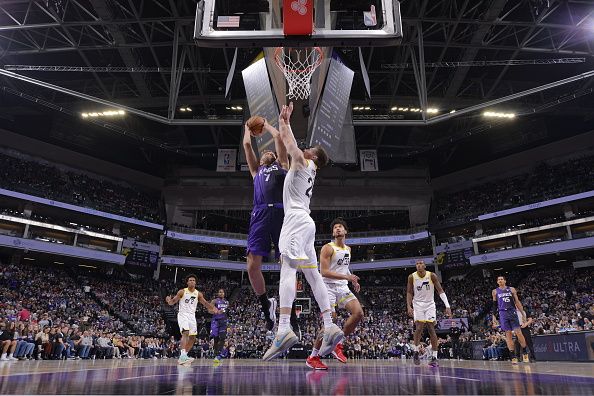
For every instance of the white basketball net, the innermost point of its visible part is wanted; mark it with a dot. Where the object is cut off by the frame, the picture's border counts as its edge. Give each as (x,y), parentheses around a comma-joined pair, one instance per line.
(298,65)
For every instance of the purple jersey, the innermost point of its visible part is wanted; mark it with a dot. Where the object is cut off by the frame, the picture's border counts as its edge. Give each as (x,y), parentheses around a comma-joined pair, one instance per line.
(268,185)
(505,300)
(221,305)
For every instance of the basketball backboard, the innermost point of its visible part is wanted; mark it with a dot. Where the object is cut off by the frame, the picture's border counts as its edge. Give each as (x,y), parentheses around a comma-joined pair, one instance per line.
(285,23)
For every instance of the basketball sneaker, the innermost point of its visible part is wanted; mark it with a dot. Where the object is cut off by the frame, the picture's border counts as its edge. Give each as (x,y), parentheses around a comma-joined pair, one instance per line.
(183,359)
(433,362)
(338,353)
(282,342)
(525,358)
(332,337)
(515,361)
(416,358)
(217,361)
(315,363)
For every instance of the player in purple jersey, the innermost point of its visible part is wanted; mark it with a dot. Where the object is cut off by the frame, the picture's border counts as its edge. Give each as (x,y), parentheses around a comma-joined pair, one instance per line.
(506,301)
(218,325)
(266,219)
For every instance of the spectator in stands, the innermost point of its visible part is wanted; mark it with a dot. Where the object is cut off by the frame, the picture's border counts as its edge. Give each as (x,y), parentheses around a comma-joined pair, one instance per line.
(8,339)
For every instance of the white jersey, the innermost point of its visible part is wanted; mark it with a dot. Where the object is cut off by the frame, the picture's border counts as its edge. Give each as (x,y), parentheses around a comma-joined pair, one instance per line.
(423,288)
(298,188)
(189,302)
(341,258)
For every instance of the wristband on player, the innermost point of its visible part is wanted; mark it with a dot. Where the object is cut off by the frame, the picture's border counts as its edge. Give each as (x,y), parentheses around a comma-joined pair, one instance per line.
(444,299)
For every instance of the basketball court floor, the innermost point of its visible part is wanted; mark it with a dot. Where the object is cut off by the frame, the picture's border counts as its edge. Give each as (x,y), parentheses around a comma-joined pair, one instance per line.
(293,377)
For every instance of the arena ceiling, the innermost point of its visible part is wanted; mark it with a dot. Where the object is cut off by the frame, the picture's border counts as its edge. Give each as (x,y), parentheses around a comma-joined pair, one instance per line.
(129,52)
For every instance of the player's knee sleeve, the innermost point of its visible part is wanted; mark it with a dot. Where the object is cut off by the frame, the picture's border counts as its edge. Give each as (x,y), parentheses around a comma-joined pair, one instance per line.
(288,286)
(318,288)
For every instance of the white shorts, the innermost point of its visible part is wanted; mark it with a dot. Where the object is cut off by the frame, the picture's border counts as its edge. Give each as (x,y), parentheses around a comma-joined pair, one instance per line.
(296,242)
(339,295)
(424,312)
(187,322)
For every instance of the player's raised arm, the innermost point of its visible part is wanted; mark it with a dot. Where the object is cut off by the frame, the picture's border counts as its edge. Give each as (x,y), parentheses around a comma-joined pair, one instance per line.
(176,298)
(281,150)
(250,156)
(210,307)
(409,295)
(288,139)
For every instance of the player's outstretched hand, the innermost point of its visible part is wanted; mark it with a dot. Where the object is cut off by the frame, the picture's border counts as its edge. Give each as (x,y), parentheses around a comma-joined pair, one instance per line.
(410,312)
(448,312)
(285,114)
(357,287)
(168,299)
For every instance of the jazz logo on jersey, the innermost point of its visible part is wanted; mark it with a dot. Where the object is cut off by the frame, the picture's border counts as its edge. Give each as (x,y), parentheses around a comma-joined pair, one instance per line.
(346,260)
(190,300)
(426,284)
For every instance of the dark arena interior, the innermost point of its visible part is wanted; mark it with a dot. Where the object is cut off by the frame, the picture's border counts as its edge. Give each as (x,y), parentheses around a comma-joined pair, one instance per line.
(151,243)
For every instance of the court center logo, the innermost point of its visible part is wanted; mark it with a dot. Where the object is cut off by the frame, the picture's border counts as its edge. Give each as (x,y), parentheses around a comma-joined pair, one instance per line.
(299,6)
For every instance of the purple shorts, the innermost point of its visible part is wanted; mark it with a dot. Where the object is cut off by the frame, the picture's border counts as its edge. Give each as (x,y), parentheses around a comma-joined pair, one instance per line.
(265,228)
(508,321)
(218,327)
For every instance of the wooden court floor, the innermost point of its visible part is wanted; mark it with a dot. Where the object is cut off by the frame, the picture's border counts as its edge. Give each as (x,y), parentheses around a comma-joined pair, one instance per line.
(292,377)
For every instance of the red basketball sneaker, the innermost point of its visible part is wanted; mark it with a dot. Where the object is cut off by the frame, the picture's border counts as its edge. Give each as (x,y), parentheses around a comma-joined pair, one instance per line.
(337,353)
(315,363)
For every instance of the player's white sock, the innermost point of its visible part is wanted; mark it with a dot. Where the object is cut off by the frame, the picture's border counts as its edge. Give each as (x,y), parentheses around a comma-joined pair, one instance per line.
(287,286)
(183,353)
(434,353)
(284,322)
(327,316)
(314,352)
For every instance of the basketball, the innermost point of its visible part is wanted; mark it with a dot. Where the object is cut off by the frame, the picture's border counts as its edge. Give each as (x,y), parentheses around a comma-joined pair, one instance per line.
(256,125)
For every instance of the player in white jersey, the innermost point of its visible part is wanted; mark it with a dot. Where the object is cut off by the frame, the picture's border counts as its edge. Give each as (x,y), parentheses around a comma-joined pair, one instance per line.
(335,258)
(296,243)
(420,304)
(186,316)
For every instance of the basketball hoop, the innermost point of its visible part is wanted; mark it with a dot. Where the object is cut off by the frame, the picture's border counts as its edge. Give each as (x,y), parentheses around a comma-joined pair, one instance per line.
(298,65)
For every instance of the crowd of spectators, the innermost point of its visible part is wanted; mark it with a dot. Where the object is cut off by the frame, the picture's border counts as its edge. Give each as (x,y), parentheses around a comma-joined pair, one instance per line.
(542,183)
(29,176)
(77,315)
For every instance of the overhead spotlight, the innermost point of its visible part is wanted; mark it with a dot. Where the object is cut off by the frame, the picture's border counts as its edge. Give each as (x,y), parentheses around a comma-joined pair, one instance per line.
(239,108)
(85,115)
(453,111)
(367,108)
(182,109)
(432,110)
(394,108)
(188,108)
(494,114)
